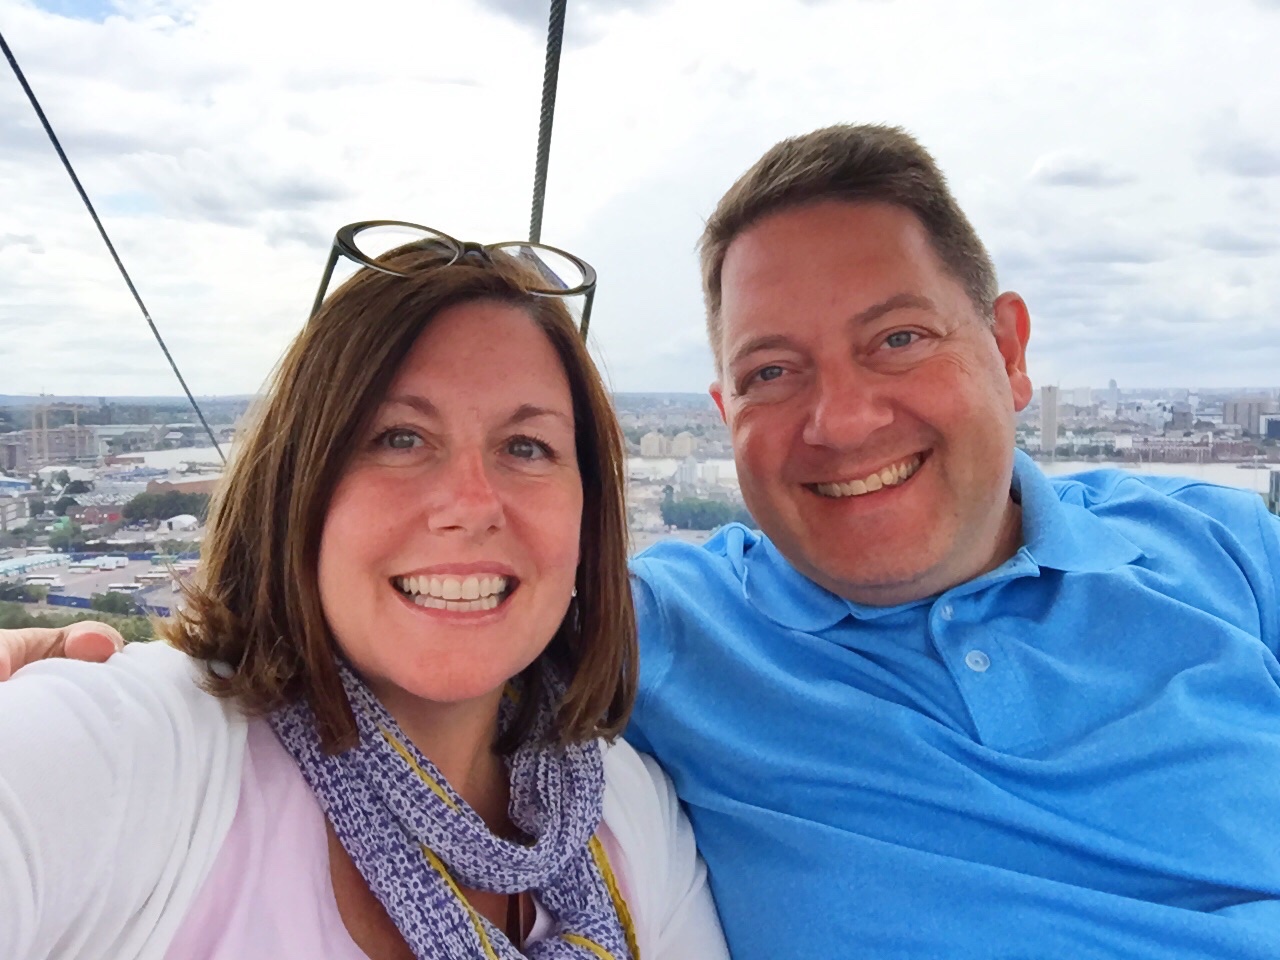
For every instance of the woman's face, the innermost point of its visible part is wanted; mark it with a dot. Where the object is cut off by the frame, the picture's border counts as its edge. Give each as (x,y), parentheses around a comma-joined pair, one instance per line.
(450,548)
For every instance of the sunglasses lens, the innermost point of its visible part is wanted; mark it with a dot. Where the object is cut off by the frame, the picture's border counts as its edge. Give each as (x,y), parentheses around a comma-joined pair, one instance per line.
(377,242)
(554,272)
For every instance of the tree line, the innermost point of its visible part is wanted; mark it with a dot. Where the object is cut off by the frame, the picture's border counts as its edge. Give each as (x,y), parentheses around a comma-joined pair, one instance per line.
(162,506)
(693,513)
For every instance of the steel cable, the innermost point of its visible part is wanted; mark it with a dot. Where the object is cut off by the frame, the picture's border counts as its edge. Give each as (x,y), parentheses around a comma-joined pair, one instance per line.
(550,77)
(75,180)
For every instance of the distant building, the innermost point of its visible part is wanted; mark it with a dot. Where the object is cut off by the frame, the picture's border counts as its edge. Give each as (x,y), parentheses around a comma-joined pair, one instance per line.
(203,485)
(684,444)
(13,512)
(1269,426)
(1048,419)
(13,453)
(47,474)
(1247,412)
(653,444)
(687,472)
(114,439)
(1113,394)
(183,521)
(1180,417)
(93,515)
(58,445)
(1082,396)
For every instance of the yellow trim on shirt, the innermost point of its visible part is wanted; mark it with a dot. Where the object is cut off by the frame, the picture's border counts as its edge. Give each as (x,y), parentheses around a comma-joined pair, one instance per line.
(611,883)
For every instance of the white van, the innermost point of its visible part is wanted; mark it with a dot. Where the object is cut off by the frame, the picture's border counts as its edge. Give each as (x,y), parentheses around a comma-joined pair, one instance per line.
(52,584)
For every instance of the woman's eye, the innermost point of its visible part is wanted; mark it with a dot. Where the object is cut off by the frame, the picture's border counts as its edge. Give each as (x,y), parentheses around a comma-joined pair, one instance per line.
(527,448)
(396,439)
(900,338)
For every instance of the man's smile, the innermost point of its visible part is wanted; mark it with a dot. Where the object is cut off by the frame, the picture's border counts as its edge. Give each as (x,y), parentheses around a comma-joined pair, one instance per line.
(889,476)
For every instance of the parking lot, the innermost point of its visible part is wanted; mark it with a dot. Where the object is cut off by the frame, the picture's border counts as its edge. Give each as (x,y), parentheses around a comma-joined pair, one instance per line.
(87,584)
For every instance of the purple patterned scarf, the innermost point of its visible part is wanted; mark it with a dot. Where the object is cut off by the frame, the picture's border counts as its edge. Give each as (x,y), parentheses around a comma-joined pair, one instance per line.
(412,837)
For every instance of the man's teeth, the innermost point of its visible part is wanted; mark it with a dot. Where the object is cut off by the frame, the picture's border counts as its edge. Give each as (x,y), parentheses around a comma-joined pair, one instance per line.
(890,476)
(463,594)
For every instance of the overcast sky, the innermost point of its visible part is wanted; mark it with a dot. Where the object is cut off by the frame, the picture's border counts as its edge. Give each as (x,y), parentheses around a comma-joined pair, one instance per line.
(1121,158)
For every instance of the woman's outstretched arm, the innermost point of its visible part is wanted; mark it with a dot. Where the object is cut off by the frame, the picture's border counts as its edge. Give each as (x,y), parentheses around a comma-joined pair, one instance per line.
(118,782)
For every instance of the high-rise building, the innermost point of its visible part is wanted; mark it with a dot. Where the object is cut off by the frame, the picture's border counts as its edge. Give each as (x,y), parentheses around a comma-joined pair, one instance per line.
(1082,396)
(683,444)
(653,444)
(687,472)
(1247,412)
(1048,419)
(1113,393)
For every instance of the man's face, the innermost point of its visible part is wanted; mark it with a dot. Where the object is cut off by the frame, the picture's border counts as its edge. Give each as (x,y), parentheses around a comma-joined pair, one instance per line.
(872,408)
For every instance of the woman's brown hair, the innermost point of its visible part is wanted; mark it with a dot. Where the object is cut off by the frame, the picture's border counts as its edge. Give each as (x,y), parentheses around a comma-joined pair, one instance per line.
(255,603)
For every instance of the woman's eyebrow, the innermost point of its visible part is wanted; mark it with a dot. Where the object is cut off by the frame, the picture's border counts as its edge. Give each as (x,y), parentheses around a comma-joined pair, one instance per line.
(531,411)
(421,404)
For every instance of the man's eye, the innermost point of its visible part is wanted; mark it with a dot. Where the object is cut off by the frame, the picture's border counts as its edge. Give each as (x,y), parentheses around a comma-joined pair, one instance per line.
(527,448)
(900,338)
(771,372)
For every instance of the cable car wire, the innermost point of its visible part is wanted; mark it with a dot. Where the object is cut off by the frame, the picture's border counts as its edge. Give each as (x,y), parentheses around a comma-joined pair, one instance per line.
(550,78)
(75,180)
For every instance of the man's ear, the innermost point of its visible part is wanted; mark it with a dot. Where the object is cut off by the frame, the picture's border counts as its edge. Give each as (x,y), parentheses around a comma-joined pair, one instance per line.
(717,394)
(1012,330)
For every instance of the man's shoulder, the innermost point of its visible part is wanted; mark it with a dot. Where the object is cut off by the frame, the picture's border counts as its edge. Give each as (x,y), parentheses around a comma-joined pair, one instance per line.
(1175,500)
(676,583)
(723,551)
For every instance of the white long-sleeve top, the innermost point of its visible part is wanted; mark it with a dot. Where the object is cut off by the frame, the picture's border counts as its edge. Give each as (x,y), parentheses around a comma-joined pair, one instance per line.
(142,817)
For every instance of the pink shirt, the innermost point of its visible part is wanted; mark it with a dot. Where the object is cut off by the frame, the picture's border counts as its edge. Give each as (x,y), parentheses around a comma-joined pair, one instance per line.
(269,893)
(143,819)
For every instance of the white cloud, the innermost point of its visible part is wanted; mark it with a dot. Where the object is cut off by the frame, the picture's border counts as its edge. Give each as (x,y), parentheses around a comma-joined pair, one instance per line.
(1119,159)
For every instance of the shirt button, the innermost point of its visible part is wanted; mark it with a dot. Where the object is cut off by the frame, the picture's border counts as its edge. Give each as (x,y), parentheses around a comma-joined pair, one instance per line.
(977,661)
(946,611)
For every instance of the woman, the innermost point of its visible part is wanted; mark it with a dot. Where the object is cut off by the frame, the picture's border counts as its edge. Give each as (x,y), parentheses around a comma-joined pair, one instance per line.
(382,731)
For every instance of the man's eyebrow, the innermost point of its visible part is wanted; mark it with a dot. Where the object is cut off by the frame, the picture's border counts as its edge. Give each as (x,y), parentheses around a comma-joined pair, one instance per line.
(769,341)
(899,301)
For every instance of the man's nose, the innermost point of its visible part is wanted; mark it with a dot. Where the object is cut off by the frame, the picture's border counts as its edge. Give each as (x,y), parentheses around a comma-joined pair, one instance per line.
(848,407)
(463,495)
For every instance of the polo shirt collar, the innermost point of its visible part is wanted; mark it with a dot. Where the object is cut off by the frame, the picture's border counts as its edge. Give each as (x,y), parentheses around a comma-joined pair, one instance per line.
(1057,535)
(1060,535)
(781,592)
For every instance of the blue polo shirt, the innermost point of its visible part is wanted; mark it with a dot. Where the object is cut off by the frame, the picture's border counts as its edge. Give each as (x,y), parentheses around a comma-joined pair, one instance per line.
(1076,755)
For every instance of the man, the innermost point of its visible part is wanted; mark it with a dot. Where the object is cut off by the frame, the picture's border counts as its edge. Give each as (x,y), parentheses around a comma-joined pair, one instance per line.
(943,706)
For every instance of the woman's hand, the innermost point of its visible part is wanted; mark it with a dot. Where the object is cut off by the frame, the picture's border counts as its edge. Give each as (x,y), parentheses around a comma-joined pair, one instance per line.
(87,640)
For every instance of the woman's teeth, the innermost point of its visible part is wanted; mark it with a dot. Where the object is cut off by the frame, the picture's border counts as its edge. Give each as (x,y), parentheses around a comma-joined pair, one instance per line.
(890,476)
(462,594)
